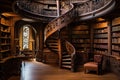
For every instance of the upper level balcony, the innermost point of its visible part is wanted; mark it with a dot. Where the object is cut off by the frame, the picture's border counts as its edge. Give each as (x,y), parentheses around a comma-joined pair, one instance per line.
(48,10)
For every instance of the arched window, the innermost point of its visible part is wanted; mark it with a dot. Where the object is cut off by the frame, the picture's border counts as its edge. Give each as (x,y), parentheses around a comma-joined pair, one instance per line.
(26,32)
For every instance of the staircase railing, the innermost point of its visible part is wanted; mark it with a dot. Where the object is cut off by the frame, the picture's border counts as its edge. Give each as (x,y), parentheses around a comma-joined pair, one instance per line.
(71,50)
(59,22)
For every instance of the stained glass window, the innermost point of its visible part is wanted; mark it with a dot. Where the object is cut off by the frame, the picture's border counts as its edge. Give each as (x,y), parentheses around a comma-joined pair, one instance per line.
(25,37)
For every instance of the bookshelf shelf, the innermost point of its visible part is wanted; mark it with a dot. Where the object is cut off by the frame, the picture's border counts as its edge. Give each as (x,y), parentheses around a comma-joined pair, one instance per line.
(5,38)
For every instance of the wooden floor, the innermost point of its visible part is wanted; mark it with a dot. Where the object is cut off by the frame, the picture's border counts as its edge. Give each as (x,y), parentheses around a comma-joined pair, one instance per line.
(32,70)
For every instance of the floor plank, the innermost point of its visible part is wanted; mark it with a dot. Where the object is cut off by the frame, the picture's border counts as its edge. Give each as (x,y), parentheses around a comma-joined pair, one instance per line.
(32,70)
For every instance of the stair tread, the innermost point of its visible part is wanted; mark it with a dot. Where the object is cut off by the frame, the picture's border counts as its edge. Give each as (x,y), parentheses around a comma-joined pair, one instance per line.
(54,46)
(55,49)
(66,56)
(53,38)
(66,62)
(53,43)
(66,66)
(66,59)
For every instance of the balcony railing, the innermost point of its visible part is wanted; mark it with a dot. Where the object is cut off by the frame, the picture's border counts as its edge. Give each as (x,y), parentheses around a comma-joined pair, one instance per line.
(91,5)
(42,8)
(36,8)
(83,7)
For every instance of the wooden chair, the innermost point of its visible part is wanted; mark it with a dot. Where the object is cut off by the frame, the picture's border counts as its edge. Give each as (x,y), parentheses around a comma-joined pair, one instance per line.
(95,65)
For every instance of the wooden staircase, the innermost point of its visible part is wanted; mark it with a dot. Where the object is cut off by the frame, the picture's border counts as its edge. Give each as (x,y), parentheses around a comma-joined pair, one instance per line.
(66,61)
(52,43)
(66,58)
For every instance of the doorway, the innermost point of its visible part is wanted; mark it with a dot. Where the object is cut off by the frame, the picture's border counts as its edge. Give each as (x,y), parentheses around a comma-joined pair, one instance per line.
(25,39)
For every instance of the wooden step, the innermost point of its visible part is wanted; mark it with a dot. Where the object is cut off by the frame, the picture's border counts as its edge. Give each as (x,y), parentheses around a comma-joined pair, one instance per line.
(66,56)
(66,63)
(66,59)
(66,66)
(53,44)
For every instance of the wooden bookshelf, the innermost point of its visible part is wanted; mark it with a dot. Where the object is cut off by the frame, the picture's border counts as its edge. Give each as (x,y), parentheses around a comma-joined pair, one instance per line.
(115,34)
(5,37)
(100,43)
(81,37)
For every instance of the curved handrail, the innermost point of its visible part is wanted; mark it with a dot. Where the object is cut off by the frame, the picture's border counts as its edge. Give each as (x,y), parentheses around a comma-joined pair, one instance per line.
(59,22)
(71,50)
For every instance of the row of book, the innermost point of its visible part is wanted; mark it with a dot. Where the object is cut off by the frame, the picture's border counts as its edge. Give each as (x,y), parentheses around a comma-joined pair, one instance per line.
(115,34)
(115,53)
(116,28)
(80,32)
(80,36)
(100,51)
(81,45)
(81,40)
(4,35)
(115,40)
(101,30)
(101,36)
(5,41)
(100,40)
(116,47)
(100,46)
(5,29)
(4,48)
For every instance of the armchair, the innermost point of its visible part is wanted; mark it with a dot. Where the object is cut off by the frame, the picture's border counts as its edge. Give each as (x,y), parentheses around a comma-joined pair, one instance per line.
(95,65)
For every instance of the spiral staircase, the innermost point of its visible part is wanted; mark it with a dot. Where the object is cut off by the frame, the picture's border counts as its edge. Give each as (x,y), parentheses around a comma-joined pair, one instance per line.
(77,10)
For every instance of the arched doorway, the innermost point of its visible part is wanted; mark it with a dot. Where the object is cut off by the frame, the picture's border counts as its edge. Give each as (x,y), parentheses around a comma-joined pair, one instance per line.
(25,39)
